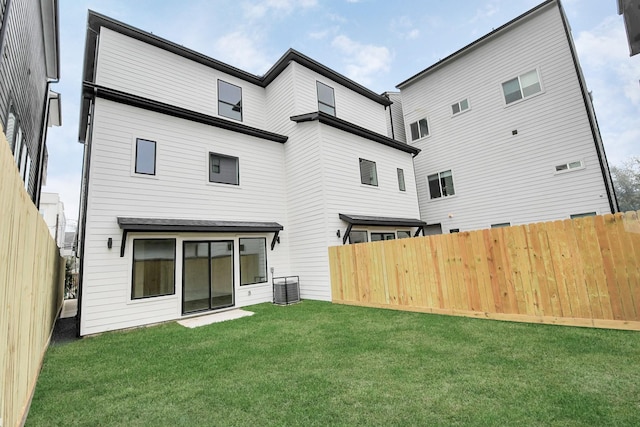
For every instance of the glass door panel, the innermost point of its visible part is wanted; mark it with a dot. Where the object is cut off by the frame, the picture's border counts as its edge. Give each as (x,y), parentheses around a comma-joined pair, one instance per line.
(196,277)
(221,274)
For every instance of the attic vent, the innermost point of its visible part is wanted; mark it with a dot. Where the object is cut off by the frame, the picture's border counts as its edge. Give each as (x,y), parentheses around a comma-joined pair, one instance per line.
(286,290)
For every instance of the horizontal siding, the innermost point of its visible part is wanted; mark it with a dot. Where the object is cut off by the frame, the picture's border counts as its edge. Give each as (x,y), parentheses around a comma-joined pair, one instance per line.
(500,177)
(306,211)
(138,68)
(179,190)
(350,106)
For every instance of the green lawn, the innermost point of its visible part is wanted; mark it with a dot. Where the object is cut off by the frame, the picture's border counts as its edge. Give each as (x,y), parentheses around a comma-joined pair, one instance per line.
(317,363)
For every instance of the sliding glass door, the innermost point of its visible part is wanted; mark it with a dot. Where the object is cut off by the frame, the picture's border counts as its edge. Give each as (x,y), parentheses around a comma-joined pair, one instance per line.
(207,275)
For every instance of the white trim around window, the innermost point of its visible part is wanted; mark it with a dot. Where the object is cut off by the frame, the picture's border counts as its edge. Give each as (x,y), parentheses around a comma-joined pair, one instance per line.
(522,87)
(572,166)
(460,107)
(419,129)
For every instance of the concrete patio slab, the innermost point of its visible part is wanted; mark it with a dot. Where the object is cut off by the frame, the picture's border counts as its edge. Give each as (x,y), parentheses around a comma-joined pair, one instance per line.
(208,319)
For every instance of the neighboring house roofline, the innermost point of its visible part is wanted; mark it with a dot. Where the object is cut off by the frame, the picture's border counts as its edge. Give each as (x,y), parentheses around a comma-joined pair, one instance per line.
(474,44)
(50,26)
(97,20)
(346,126)
(93,90)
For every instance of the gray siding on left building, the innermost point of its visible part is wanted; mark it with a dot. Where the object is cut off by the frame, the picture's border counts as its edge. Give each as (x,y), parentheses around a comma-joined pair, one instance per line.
(24,77)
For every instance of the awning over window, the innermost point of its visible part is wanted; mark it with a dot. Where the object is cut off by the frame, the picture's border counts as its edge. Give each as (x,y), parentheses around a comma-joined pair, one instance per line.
(379,221)
(170,225)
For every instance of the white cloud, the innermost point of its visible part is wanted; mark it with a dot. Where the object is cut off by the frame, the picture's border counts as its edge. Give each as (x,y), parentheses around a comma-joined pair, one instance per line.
(259,9)
(242,51)
(613,77)
(363,62)
(486,11)
(404,28)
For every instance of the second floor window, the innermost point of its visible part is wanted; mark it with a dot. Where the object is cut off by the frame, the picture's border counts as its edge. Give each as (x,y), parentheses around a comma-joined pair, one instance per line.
(419,129)
(368,173)
(145,157)
(229,100)
(223,169)
(326,99)
(441,184)
(523,86)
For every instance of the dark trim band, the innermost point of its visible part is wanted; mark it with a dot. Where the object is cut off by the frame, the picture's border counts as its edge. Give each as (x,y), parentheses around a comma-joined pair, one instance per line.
(346,126)
(90,89)
(379,221)
(129,225)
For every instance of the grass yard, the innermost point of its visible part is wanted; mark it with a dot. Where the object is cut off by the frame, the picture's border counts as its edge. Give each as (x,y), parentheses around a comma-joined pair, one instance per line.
(317,363)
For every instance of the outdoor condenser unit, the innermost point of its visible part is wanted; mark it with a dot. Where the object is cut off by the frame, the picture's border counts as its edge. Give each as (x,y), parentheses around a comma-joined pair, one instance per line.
(286,290)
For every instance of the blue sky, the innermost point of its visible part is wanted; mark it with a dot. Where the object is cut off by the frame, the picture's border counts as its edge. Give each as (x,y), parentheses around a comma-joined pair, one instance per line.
(377,43)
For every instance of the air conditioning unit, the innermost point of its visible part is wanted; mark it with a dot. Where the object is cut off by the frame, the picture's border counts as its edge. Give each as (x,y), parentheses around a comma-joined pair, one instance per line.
(286,290)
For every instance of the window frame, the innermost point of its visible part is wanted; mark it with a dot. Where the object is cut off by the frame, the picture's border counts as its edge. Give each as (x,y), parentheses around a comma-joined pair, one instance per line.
(522,95)
(132,296)
(366,235)
(501,225)
(229,103)
(266,261)
(333,96)
(420,135)
(155,157)
(382,233)
(460,110)
(568,167)
(375,169)
(442,196)
(583,215)
(401,182)
(210,167)
(403,231)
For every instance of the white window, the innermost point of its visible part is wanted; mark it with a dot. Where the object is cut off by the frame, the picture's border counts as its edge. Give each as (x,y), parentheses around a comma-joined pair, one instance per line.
(326,99)
(368,173)
(460,106)
(229,100)
(583,215)
(253,260)
(376,237)
(401,185)
(358,236)
(521,87)
(223,169)
(145,157)
(27,169)
(441,184)
(501,225)
(11,129)
(403,234)
(419,129)
(566,167)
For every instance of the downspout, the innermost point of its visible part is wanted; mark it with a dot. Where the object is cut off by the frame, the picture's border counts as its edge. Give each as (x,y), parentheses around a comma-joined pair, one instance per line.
(43,138)
(393,135)
(82,226)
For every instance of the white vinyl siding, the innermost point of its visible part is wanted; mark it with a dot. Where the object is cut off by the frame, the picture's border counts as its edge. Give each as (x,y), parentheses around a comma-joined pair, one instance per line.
(498,174)
(138,68)
(181,191)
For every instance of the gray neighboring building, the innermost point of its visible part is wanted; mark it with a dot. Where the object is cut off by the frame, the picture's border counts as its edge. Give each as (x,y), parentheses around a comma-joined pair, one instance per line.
(29,63)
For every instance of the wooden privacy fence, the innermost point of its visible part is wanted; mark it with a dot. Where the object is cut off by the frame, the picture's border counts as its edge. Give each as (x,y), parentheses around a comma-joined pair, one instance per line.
(31,291)
(581,272)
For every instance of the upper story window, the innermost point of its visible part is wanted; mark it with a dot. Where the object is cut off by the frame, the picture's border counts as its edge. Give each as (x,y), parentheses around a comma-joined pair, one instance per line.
(11,129)
(566,167)
(419,129)
(229,100)
(459,107)
(326,99)
(368,173)
(145,157)
(401,185)
(223,169)
(441,185)
(523,86)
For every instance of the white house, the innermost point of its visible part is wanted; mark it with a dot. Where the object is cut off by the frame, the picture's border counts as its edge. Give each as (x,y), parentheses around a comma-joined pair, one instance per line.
(507,130)
(203,182)
(52,210)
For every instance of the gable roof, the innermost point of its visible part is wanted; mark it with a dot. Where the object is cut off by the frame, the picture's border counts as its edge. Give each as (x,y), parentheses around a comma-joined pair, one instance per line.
(475,44)
(96,21)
